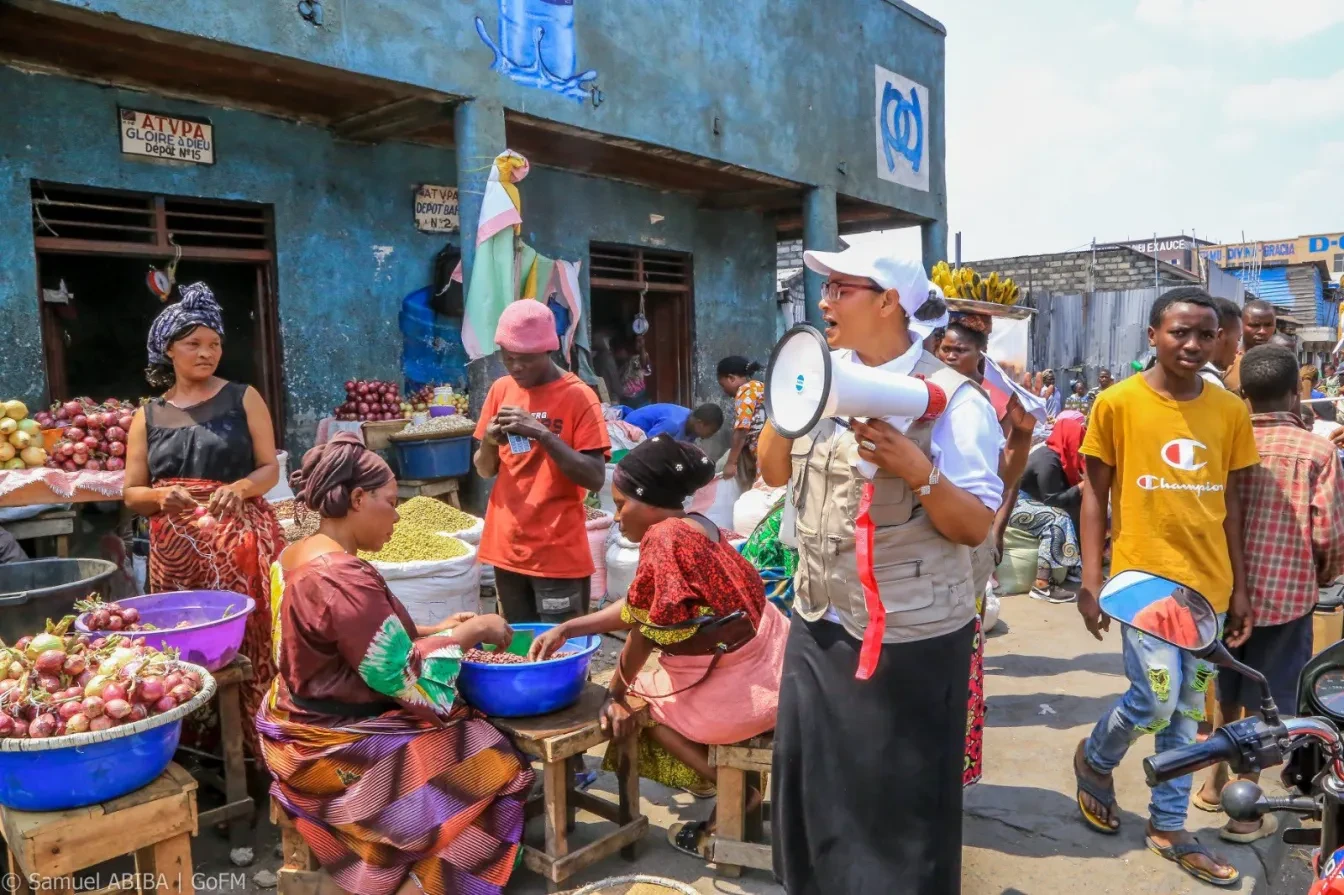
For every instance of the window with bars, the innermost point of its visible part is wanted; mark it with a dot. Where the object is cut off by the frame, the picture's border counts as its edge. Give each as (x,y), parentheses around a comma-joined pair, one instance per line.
(626,266)
(71,217)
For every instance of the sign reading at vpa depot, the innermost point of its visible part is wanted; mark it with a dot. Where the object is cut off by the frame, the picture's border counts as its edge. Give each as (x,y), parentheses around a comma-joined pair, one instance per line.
(902,121)
(167,136)
(436,209)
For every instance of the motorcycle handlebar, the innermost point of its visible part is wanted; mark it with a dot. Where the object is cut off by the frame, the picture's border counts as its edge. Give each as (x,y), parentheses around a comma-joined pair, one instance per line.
(1187,759)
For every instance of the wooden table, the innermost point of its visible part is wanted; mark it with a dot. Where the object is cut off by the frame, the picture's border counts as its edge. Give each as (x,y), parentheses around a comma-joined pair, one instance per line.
(155,823)
(553,739)
(442,488)
(238,807)
(58,524)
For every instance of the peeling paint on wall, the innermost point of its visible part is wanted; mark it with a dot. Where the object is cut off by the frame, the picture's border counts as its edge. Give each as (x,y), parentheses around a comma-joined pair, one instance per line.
(380,256)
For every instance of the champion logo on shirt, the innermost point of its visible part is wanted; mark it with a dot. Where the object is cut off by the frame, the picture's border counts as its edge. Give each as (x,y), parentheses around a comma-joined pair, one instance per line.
(1157,483)
(1181,453)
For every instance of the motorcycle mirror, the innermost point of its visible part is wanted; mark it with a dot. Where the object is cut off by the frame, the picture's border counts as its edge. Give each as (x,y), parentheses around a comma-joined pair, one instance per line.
(1161,608)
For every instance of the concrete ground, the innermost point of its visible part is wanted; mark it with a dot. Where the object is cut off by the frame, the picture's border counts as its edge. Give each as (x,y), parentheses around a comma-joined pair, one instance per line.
(1048,682)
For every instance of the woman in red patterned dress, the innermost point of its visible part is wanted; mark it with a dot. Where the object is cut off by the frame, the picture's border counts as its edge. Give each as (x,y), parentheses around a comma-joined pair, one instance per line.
(206,443)
(697,695)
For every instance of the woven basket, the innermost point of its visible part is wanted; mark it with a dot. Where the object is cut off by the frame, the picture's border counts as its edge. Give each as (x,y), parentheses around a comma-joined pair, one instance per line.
(102,736)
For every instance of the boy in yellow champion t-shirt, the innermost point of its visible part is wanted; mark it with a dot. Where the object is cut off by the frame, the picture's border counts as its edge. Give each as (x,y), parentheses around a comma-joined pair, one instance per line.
(1163,449)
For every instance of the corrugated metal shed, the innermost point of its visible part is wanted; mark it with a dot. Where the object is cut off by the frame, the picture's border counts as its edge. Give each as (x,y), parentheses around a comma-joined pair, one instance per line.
(1089,332)
(1272,286)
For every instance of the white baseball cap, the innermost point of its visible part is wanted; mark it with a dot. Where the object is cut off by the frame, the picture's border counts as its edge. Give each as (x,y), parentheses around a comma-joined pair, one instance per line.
(888,272)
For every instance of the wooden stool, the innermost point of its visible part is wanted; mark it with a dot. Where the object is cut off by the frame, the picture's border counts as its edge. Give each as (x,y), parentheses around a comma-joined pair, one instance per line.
(156,823)
(441,488)
(238,808)
(301,874)
(554,739)
(56,524)
(739,766)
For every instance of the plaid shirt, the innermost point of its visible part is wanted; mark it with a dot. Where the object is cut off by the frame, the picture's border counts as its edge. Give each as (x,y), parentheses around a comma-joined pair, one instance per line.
(1293,508)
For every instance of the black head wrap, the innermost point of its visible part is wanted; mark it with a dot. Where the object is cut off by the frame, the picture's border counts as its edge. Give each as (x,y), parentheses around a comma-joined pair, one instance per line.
(331,471)
(662,472)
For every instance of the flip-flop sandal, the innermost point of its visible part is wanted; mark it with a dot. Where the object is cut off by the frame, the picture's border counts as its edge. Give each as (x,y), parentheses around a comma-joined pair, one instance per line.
(1269,825)
(1177,854)
(689,837)
(1105,797)
(1211,807)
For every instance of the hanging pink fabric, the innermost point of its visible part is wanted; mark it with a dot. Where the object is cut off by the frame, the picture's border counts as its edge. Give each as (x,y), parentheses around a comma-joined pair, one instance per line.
(871,650)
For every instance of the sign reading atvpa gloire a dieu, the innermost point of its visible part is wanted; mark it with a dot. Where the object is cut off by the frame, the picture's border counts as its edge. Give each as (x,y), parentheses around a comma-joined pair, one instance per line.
(173,137)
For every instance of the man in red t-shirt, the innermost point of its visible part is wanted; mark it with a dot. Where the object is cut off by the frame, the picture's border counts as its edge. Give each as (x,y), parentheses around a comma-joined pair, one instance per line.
(542,433)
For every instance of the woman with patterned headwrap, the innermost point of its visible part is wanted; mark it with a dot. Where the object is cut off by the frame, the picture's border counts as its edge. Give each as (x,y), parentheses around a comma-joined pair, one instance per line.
(709,687)
(206,444)
(394,783)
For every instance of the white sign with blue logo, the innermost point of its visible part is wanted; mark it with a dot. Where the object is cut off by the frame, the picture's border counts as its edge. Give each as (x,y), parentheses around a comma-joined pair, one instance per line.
(902,120)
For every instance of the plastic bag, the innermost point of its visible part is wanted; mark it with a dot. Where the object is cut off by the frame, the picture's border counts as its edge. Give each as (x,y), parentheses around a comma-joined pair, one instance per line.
(433,590)
(604,497)
(622,560)
(715,502)
(598,532)
(753,506)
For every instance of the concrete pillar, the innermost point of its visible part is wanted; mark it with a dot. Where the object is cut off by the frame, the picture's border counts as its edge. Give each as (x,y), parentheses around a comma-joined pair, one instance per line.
(933,237)
(821,232)
(478,130)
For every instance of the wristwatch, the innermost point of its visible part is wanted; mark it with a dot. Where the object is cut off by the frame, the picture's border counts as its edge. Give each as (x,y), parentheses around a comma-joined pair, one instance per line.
(934,478)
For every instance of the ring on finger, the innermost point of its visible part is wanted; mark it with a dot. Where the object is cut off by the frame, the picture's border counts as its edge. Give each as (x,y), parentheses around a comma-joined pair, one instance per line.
(867,445)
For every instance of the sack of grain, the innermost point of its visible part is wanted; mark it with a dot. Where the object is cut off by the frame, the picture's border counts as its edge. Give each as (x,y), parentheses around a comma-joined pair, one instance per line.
(753,506)
(604,496)
(599,526)
(715,502)
(622,559)
(432,590)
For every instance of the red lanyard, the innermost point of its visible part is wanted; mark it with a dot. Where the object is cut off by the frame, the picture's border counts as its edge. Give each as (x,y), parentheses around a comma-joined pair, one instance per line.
(877,613)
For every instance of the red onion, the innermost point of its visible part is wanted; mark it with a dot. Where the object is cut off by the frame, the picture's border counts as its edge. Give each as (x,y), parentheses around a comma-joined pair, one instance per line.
(74,433)
(116,433)
(16,670)
(72,693)
(114,464)
(206,523)
(112,691)
(117,708)
(171,680)
(192,679)
(139,712)
(6,685)
(363,408)
(70,466)
(79,421)
(166,704)
(102,722)
(150,690)
(92,706)
(6,726)
(74,665)
(130,615)
(42,727)
(93,466)
(182,693)
(67,449)
(49,682)
(71,408)
(98,643)
(50,662)
(68,710)
(98,621)
(125,421)
(23,642)
(114,623)
(77,723)
(103,448)
(91,443)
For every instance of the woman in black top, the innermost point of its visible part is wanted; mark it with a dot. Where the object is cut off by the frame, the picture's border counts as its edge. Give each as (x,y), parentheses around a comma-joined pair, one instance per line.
(1049,500)
(198,460)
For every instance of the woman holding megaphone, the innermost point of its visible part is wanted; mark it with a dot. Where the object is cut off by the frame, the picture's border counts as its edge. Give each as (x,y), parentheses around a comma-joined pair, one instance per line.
(868,752)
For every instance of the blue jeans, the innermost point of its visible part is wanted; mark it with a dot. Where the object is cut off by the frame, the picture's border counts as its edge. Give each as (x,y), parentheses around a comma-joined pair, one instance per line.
(1167,687)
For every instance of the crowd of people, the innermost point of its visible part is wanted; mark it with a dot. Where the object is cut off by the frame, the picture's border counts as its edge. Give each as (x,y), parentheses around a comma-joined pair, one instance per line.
(869,570)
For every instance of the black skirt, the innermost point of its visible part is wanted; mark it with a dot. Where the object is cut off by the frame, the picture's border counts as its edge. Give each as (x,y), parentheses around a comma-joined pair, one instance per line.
(866,788)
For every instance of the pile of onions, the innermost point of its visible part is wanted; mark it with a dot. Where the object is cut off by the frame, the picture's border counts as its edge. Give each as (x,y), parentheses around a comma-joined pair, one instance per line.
(94,435)
(370,400)
(54,683)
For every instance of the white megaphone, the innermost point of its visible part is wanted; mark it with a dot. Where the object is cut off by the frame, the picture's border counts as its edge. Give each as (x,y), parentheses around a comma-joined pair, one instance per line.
(804,385)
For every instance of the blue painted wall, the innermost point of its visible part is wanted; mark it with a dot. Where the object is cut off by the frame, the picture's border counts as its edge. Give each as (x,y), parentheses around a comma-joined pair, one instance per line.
(791,82)
(346,248)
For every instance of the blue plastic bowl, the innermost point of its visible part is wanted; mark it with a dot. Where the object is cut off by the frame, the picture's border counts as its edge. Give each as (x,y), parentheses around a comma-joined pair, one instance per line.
(537,688)
(88,768)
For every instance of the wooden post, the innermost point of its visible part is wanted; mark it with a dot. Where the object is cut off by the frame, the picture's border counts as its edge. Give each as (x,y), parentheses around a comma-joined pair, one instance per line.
(627,786)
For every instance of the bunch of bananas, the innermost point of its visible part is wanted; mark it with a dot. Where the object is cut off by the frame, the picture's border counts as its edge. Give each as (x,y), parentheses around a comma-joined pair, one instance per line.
(964,282)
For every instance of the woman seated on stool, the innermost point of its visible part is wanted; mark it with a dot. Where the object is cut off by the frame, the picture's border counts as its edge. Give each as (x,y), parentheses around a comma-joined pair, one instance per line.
(698,694)
(394,783)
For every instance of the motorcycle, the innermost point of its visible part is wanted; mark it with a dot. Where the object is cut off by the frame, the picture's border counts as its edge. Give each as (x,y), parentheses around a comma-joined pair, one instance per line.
(1309,746)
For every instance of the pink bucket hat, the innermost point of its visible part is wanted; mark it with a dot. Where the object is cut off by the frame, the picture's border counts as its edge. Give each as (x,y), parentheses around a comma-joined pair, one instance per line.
(527,327)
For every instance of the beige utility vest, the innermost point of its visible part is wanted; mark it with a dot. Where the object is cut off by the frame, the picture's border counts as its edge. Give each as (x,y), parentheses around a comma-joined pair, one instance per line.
(924,579)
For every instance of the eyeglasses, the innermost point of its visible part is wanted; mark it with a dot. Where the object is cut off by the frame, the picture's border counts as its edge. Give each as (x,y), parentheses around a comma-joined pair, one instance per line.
(831,290)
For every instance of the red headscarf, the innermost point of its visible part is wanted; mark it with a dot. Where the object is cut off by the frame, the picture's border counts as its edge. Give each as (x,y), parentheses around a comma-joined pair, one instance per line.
(1065,440)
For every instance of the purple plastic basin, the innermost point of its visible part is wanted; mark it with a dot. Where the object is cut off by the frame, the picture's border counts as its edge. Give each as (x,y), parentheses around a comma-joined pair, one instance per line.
(209,639)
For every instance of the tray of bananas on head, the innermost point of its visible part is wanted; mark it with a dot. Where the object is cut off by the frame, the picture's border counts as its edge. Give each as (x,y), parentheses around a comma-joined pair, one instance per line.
(967,292)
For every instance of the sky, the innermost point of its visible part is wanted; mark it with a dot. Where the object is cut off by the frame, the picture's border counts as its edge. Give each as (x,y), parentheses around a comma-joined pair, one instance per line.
(1116,119)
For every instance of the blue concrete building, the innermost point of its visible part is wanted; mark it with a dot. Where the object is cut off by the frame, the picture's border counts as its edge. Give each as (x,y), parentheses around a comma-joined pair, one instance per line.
(275,149)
